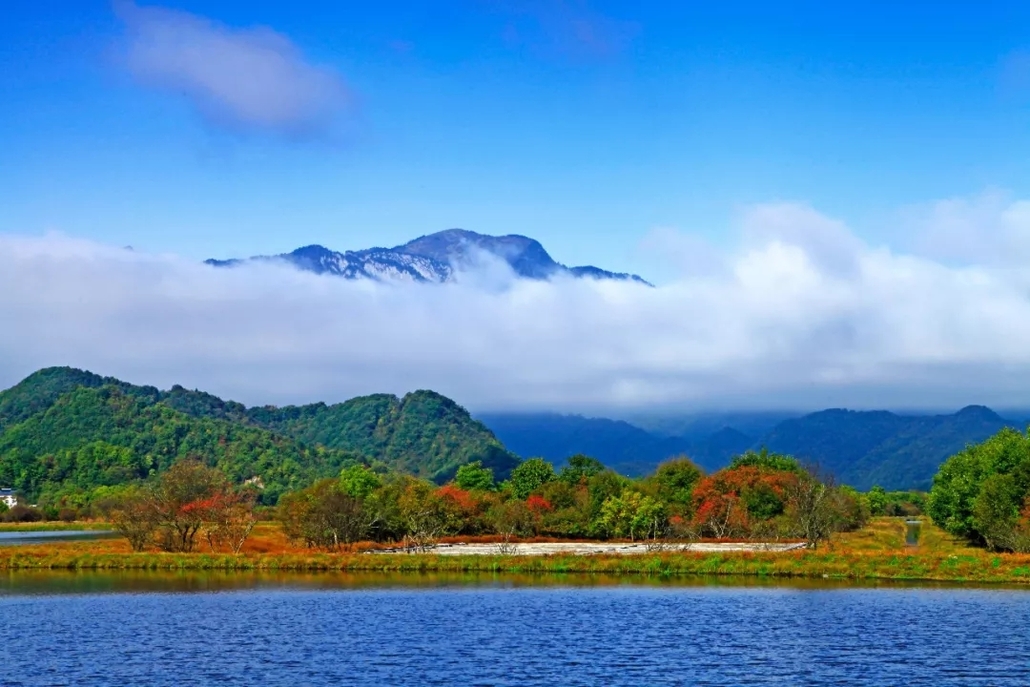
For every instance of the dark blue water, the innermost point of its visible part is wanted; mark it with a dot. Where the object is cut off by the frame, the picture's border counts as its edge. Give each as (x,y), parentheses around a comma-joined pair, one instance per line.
(461,634)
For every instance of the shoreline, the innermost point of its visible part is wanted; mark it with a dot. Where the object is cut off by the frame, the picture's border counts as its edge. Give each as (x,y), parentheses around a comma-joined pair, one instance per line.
(828,565)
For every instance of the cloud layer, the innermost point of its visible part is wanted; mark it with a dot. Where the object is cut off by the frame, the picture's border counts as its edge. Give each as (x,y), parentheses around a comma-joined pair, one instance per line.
(252,78)
(799,314)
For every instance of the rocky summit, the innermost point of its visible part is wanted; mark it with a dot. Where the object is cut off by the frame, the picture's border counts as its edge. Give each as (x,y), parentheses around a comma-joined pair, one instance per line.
(435,258)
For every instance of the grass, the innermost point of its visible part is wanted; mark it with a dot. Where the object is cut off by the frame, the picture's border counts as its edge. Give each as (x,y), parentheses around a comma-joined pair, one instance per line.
(876,552)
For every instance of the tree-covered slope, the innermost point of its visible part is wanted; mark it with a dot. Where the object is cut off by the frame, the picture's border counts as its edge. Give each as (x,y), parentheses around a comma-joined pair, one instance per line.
(623,447)
(876,447)
(423,433)
(41,389)
(65,428)
(92,437)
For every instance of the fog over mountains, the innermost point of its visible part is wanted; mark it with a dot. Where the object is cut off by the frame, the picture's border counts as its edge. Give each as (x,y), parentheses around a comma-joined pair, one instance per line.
(436,258)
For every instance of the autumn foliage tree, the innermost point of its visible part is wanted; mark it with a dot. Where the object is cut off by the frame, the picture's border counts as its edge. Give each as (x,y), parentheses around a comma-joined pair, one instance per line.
(186,499)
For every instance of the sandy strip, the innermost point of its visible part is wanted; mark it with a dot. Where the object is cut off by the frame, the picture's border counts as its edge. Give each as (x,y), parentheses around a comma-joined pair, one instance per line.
(543,549)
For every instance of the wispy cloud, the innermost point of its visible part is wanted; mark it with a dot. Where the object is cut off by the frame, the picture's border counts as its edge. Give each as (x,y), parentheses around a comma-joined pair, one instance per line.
(567,28)
(250,78)
(799,314)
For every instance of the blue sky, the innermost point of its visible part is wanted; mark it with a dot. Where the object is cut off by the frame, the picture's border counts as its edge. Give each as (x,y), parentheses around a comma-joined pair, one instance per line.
(833,200)
(586,125)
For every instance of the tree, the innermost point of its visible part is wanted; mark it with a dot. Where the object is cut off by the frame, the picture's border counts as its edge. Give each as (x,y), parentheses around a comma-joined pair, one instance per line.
(529,476)
(996,511)
(511,519)
(134,516)
(358,481)
(183,498)
(878,501)
(425,515)
(632,515)
(674,481)
(232,520)
(579,469)
(738,501)
(766,460)
(815,508)
(322,516)
(474,477)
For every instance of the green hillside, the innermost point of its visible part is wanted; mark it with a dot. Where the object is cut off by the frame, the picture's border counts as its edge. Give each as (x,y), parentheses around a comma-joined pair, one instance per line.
(64,430)
(865,448)
(423,433)
(92,437)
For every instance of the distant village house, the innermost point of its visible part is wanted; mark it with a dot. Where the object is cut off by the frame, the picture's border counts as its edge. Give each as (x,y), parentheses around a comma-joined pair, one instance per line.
(7,496)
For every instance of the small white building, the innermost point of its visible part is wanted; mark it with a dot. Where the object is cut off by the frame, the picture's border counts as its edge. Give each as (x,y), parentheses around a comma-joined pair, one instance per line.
(7,496)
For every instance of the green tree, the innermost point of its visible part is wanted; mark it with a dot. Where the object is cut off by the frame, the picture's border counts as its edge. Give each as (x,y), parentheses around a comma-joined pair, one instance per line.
(631,515)
(474,477)
(580,468)
(877,500)
(766,460)
(358,481)
(996,510)
(960,481)
(674,481)
(529,476)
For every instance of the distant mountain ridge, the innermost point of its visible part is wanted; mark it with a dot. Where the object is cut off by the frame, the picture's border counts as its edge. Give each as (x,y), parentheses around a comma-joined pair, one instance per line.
(860,448)
(434,258)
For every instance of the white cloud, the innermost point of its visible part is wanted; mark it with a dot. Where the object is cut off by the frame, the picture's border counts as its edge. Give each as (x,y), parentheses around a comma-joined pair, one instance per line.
(990,228)
(253,78)
(801,314)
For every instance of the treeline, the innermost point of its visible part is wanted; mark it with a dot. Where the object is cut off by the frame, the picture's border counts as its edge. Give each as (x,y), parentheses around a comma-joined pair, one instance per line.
(759,496)
(983,493)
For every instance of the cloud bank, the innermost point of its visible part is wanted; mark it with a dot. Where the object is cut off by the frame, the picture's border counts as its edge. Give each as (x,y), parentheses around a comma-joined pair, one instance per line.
(799,314)
(252,78)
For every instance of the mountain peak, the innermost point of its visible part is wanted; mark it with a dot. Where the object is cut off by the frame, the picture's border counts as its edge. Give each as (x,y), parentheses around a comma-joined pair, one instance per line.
(977,412)
(437,258)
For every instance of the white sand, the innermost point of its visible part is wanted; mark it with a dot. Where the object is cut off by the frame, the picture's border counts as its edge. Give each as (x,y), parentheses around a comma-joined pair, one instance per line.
(543,549)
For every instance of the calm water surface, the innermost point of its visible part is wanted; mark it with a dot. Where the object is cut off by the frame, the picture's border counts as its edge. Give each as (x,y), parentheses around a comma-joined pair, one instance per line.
(50,536)
(325,630)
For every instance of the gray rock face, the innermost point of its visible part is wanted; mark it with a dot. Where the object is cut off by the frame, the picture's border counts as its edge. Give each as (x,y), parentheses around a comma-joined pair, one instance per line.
(435,258)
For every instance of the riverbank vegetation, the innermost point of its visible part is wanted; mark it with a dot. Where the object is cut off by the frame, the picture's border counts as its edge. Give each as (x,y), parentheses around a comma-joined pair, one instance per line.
(876,552)
(758,497)
(983,493)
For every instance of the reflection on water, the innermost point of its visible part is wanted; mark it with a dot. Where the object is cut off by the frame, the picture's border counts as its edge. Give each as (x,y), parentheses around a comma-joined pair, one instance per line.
(912,528)
(34,582)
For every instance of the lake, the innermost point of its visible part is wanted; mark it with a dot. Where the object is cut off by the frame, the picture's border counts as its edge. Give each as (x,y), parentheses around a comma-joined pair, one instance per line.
(218,629)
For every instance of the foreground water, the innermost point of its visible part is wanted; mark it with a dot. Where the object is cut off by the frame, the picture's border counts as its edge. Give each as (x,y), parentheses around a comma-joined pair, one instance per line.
(110,629)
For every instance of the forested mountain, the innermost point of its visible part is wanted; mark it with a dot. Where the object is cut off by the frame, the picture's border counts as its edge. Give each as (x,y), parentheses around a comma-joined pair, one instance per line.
(91,437)
(621,446)
(423,433)
(63,430)
(877,447)
(860,448)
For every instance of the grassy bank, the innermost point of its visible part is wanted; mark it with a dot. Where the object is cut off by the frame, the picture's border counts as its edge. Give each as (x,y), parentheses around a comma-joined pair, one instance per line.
(826,565)
(877,552)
